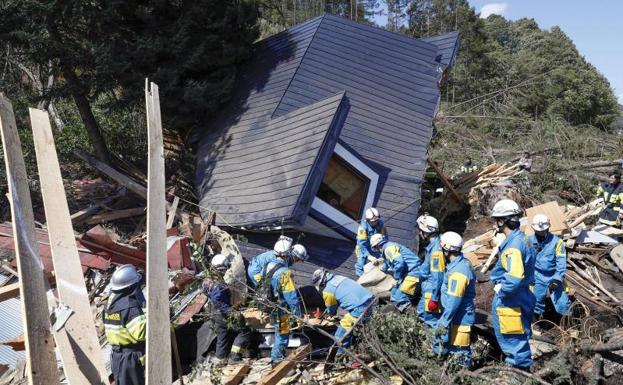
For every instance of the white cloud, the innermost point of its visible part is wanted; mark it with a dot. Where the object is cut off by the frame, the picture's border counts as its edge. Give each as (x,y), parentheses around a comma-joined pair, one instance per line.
(493,9)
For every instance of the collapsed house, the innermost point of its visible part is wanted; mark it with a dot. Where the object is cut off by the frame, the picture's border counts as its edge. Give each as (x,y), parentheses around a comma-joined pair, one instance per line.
(321,126)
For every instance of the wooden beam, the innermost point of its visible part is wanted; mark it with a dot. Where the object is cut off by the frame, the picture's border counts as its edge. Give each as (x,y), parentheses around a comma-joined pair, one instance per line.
(445,180)
(235,375)
(172,212)
(80,216)
(117,214)
(113,174)
(9,291)
(280,371)
(41,360)
(158,365)
(77,340)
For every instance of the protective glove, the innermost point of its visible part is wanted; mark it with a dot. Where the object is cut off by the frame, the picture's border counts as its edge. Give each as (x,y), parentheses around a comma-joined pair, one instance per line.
(378,262)
(433,306)
(554,285)
(317,313)
(497,287)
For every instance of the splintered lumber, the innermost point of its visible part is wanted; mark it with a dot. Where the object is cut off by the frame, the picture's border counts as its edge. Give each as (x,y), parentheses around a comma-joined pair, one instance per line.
(553,212)
(9,291)
(84,214)
(445,180)
(172,212)
(158,369)
(117,214)
(236,374)
(41,360)
(281,370)
(77,340)
(584,275)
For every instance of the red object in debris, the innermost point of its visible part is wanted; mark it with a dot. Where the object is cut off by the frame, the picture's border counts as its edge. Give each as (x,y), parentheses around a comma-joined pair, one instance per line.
(193,308)
(99,241)
(433,306)
(178,253)
(317,313)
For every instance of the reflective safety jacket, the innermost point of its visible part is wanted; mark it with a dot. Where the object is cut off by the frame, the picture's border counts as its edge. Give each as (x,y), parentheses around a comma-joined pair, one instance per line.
(515,266)
(613,202)
(258,263)
(551,257)
(283,287)
(125,323)
(466,169)
(433,268)
(457,294)
(345,293)
(401,260)
(364,232)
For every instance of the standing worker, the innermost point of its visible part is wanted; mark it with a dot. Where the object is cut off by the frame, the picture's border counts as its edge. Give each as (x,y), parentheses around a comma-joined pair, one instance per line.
(125,325)
(513,302)
(404,264)
(339,291)
(370,225)
(282,248)
(549,268)
(458,292)
(468,166)
(431,271)
(612,193)
(277,279)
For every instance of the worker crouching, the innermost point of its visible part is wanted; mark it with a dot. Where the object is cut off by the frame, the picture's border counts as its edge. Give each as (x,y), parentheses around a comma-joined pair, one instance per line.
(370,225)
(126,326)
(339,291)
(453,329)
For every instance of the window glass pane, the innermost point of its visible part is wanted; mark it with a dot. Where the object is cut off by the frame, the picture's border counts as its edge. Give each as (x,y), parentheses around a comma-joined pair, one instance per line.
(343,188)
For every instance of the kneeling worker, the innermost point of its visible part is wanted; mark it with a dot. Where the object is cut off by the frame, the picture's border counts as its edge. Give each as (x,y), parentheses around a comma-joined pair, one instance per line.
(339,291)
(126,325)
(457,297)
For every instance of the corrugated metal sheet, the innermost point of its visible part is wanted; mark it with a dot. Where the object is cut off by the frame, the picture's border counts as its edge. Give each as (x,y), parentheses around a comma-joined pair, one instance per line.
(391,84)
(10,327)
(448,47)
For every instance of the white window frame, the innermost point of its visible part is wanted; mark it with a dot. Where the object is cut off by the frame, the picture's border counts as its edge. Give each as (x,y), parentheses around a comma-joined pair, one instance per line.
(334,214)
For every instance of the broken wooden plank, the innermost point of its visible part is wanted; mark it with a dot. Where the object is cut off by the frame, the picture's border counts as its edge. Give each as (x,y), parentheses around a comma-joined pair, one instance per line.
(172,212)
(41,360)
(113,174)
(9,291)
(445,180)
(281,370)
(18,344)
(77,340)
(84,214)
(158,369)
(553,212)
(236,374)
(114,215)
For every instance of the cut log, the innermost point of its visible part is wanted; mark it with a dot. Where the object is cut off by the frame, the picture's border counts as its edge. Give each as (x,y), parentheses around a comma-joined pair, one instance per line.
(158,369)
(114,215)
(41,359)
(281,370)
(77,340)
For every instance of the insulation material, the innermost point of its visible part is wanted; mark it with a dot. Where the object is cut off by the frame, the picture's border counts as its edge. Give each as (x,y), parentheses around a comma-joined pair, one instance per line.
(375,280)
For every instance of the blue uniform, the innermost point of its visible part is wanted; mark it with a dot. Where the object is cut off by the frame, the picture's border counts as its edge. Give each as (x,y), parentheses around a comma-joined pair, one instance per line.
(405,265)
(431,274)
(514,303)
(364,232)
(285,295)
(551,264)
(458,316)
(257,265)
(349,295)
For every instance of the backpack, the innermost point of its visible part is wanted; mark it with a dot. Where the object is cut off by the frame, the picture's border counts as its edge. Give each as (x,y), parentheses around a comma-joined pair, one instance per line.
(264,291)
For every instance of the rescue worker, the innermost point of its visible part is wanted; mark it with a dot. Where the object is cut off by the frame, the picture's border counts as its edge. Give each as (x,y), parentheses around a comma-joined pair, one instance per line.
(339,291)
(371,224)
(282,248)
(550,267)
(405,267)
(468,166)
(525,162)
(454,327)
(232,336)
(283,292)
(431,271)
(612,193)
(125,325)
(513,274)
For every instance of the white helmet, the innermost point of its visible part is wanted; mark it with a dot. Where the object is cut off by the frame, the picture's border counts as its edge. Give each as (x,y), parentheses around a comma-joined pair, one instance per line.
(451,241)
(377,240)
(300,252)
(221,262)
(320,277)
(124,277)
(372,215)
(428,224)
(540,222)
(505,208)
(283,247)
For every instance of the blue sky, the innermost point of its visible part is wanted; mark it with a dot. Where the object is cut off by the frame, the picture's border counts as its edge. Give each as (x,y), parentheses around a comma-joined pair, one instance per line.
(596,28)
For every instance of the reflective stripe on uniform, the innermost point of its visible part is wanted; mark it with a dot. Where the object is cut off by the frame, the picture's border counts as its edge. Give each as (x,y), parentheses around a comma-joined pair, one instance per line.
(512,262)
(437,262)
(348,321)
(457,284)
(329,299)
(460,335)
(560,248)
(409,285)
(362,233)
(510,320)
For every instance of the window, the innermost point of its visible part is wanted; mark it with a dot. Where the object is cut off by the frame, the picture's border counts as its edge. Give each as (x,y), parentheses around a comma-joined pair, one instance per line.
(348,188)
(343,188)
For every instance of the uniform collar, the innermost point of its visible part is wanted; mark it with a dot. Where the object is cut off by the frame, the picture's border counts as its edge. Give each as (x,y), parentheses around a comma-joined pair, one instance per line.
(433,243)
(514,234)
(456,261)
(548,238)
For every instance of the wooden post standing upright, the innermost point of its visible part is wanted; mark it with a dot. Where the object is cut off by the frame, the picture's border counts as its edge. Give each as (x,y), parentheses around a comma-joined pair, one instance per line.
(77,340)
(158,368)
(41,360)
